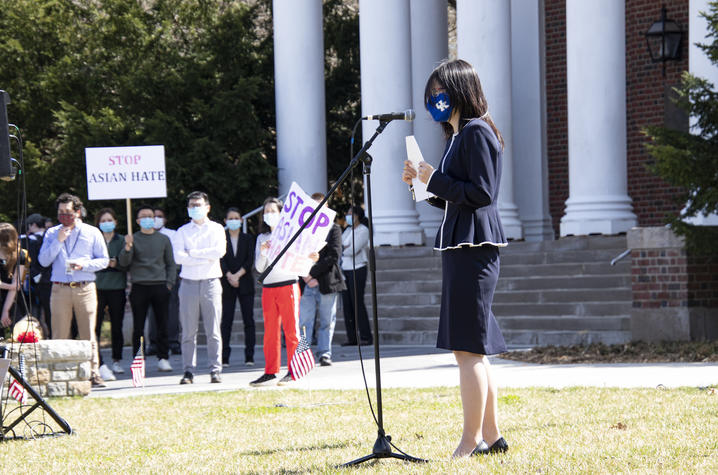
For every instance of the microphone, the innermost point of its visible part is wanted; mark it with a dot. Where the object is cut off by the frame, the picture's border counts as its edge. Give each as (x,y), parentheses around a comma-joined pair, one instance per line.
(406,115)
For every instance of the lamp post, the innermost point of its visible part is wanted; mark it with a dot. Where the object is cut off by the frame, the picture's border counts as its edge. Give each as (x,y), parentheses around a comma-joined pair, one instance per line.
(664,39)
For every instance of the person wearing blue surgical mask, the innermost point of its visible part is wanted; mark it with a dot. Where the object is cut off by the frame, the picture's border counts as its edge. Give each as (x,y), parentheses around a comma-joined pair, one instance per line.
(355,245)
(148,256)
(237,283)
(198,247)
(465,186)
(111,283)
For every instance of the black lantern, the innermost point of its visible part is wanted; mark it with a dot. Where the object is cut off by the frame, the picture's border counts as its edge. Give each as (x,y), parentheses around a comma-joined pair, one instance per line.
(664,40)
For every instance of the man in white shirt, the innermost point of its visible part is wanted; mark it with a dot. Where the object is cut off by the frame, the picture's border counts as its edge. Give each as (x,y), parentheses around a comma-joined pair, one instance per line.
(198,246)
(161,221)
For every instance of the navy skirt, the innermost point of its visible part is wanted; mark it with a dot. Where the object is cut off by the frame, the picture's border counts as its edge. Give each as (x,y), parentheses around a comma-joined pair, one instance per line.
(466,323)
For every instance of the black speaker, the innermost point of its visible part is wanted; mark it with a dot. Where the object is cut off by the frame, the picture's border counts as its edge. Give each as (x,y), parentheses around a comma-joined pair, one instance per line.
(7,171)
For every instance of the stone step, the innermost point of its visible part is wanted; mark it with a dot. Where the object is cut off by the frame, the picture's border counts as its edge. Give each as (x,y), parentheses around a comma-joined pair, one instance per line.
(571,243)
(564,269)
(566,323)
(590,255)
(551,292)
(617,294)
(563,338)
(512,283)
(536,260)
(402,298)
(574,282)
(594,309)
(510,271)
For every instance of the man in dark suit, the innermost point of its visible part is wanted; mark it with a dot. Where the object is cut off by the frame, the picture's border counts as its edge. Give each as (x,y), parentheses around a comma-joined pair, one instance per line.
(237,283)
(323,284)
(40,282)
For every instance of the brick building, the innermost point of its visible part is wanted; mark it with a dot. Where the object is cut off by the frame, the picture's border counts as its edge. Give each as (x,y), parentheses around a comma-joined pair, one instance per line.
(648,102)
(570,84)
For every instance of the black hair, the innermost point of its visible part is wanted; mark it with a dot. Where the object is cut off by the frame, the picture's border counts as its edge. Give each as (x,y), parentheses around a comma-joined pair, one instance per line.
(463,87)
(359,211)
(197,195)
(231,209)
(68,198)
(37,219)
(263,227)
(144,206)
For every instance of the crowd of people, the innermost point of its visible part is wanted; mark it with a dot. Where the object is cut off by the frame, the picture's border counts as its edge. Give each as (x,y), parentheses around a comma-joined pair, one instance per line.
(77,270)
(73,275)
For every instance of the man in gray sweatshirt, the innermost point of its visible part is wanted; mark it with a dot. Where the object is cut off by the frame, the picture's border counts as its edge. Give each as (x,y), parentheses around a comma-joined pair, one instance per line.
(148,256)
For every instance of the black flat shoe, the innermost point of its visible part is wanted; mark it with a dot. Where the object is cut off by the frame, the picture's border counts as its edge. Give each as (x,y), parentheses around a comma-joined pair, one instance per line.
(499,446)
(481,449)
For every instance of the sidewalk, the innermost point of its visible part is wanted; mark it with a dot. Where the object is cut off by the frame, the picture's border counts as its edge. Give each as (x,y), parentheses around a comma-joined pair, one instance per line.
(409,366)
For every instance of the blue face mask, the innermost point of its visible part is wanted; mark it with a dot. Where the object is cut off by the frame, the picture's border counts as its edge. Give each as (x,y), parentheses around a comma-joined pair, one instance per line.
(234,224)
(107,226)
(147,223)
(197,212)
(439,107)
(349,219)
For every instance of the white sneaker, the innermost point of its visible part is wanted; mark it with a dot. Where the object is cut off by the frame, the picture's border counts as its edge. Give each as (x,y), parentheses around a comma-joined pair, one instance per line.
(116,368)
(106,373)
(164,365)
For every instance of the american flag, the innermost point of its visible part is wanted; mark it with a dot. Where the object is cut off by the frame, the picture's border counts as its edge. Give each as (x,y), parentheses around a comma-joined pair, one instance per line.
(303,360)
(17,392)
(138,369)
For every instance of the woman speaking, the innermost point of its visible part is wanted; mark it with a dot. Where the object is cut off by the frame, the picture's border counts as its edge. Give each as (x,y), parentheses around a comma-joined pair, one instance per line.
(466,187)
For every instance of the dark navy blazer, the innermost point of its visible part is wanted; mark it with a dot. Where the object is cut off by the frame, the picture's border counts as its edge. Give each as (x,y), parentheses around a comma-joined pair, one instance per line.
(244,258)
(467,185)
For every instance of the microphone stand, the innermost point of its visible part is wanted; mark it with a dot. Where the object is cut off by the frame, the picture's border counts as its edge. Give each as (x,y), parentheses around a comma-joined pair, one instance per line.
(382,445)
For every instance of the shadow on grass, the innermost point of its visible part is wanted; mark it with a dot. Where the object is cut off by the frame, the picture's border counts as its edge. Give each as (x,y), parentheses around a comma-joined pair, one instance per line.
(300,449)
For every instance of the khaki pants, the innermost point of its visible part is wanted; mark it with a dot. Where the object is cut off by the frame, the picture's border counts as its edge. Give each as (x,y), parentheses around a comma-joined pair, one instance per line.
(83,300)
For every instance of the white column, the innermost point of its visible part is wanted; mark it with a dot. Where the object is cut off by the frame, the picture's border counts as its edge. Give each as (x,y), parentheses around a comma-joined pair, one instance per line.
(529,118)
(299,94)
(699,65)
(429,46)
(598,201)
(483,33)
(385,55)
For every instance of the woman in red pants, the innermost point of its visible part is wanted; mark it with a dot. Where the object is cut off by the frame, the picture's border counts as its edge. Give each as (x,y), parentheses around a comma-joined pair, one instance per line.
(280,302)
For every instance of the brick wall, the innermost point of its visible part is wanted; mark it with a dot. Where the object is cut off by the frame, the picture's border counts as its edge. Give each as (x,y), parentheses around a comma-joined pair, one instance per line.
(646,91)
(702,282)
(645,105)
(659,278)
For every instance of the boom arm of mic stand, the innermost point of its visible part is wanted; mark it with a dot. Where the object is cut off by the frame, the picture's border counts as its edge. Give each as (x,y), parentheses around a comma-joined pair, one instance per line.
(342,178)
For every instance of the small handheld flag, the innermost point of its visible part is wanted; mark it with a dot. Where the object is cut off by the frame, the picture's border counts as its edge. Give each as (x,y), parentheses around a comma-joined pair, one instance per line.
(138,368)
(17,392)
(303,360)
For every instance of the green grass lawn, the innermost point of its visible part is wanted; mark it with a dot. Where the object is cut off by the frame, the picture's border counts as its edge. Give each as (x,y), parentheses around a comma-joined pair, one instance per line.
(290,431)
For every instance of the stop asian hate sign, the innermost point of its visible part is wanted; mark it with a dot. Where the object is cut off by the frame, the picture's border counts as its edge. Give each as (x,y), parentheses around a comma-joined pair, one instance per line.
(126,172)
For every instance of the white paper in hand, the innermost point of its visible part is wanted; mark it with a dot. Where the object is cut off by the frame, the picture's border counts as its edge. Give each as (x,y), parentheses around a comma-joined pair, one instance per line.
(414,155)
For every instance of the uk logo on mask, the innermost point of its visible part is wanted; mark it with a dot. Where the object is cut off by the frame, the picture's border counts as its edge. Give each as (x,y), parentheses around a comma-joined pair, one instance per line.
(442,105)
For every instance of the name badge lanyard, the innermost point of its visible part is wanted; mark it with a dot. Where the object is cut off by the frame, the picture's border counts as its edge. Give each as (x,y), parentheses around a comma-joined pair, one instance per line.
(70,251)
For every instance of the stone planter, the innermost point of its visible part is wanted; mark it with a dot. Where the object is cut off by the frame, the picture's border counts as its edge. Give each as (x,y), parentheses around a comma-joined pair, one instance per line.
(63,366)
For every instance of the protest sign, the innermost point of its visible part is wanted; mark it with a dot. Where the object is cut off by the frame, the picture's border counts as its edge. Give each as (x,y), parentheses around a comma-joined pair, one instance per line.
(126,172)
(296,210)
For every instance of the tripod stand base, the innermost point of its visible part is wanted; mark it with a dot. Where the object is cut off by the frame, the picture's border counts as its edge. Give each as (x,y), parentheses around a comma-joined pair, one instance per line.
(382,450)
(24,426)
